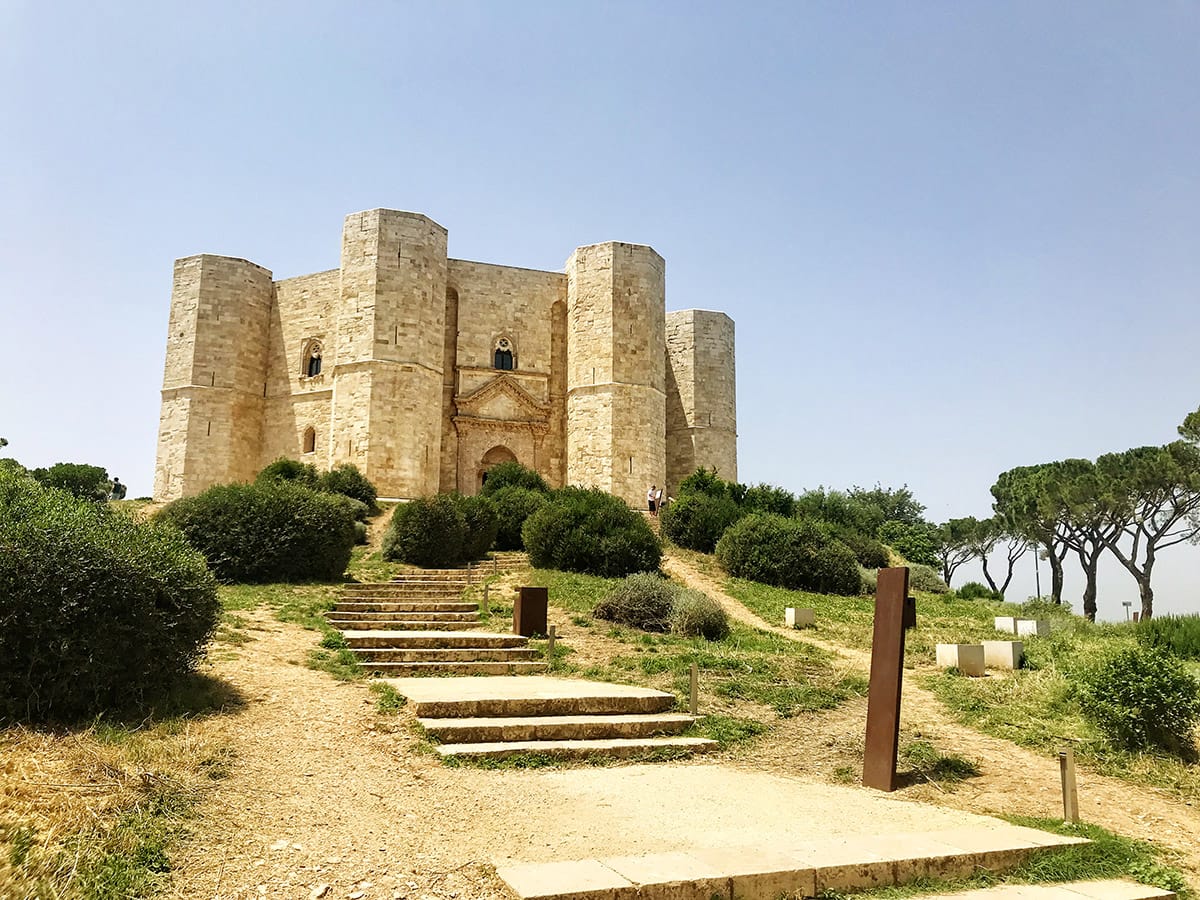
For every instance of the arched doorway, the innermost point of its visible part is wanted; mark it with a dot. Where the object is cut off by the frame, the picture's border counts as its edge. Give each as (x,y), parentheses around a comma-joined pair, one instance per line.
(493,457)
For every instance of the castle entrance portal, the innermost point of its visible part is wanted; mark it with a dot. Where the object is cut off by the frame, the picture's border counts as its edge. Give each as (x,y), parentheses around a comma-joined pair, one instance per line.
(493,457)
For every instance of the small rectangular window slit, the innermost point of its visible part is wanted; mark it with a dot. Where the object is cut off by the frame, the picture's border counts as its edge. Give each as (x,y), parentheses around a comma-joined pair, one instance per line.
(210,427)
(631,465)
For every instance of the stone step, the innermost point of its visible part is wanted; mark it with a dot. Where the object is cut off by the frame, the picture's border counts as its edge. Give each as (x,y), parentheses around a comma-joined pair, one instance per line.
(418,615)
(490,697)
(446,654)
(809,869)
(577,749)
(404,606)
(554,728)
(405,669)
(404,589)
(396,625)
(432,638)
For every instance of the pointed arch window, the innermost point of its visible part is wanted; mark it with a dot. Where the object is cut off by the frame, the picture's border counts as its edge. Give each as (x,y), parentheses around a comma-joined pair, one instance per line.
(310,439)
(312,360)
(503,357)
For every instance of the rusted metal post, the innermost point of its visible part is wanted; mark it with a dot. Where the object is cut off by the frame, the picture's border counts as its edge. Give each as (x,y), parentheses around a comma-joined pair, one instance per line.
(529,612)
(894,612)
(1066,768)
(694,695)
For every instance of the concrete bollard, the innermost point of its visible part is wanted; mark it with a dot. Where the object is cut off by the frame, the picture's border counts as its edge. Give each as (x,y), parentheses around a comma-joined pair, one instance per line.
(1003,654)
(1007,624)
(799,618)
(1033,627)
(967,658)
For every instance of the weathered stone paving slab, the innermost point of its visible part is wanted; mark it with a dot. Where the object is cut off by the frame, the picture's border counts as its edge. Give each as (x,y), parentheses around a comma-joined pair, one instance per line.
(531,696)
(834,864)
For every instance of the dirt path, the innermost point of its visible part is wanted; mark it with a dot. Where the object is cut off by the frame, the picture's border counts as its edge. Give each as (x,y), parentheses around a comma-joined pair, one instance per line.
(1013,780)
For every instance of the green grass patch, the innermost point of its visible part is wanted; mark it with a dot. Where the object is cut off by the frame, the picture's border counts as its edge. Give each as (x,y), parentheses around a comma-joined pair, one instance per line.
(388,701)
(727,730)
(928,763)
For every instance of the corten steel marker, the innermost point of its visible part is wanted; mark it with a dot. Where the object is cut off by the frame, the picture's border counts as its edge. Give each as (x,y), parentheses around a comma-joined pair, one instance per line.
(894,612)
(529,612)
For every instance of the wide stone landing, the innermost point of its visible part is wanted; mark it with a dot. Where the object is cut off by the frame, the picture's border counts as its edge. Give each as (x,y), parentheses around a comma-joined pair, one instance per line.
(1110,889)
(560,717)
(804,869)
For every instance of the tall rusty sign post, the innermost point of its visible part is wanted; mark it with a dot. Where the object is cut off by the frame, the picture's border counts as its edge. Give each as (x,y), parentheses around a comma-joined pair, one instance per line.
(895,612)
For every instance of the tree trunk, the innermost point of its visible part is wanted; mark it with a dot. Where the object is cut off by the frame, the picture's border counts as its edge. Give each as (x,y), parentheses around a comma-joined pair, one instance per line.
(988,575)
(1089,587)
(1056,575)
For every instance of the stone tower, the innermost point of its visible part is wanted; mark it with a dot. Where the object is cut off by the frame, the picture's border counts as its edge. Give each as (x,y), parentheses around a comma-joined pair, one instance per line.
(215,379)
(616,369)
(701,395)
(388,359)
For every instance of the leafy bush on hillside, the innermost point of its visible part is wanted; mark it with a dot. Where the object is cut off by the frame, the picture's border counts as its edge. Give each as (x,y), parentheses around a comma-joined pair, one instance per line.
(348,480)
(869,552)
(643,600)
(587,530)
(97,610)
(268,531)
(769,498)
(926,578)
(694,614)
(78,479)
(973,590)
(697,521)
(704,481)
(1178,634)
(791,553)
(513,474)
(1142,698)
(513,506)
(284,469)
(481,523)
(427,531)
(916,542)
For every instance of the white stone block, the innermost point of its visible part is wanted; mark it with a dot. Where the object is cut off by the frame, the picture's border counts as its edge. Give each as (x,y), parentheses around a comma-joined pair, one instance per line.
(1007,624)
(1003,654)
(1036,627)
(967,658)
(800,618)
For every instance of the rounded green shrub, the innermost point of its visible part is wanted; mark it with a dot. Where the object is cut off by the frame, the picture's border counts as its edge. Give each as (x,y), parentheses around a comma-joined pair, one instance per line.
(481,524)
(348,480)
(268,531)
(870,553)
(973,590)
(361,535)
(769,498)
(284,469)
(643,600)
(926,578)
(698,615)
(513,474)
(791,553)
(587,530)
(513,506)
(1178,634)
(1142,698)
(98,611)
(697,521)
(427,531)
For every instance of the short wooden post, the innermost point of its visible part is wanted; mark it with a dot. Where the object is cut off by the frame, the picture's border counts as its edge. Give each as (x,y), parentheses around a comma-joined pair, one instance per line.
(551,636)
(485,599)
(694,705)
(1066,768)
(495,566)
(468,574)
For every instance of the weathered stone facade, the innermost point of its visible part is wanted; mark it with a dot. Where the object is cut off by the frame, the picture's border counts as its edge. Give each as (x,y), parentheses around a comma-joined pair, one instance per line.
(425,371)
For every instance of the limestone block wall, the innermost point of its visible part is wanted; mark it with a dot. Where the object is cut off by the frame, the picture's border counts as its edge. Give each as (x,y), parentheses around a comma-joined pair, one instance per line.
(616,370)
(210,429)
(701,408)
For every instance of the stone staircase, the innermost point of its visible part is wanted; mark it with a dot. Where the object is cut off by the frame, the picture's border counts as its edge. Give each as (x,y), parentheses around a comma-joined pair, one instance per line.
(563,718)
(436,652)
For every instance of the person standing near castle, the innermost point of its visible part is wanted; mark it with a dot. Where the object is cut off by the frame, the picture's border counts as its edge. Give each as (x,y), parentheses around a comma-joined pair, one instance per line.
(652,499)
(658,501)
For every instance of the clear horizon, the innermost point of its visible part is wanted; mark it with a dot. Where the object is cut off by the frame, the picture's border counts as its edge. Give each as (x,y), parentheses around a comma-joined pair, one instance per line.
(953,239)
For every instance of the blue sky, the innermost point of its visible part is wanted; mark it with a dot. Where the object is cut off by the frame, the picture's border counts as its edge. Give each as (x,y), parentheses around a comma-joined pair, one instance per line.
(955,237)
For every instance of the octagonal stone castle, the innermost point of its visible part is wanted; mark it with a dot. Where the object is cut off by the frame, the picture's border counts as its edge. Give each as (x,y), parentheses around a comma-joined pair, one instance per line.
(425,371)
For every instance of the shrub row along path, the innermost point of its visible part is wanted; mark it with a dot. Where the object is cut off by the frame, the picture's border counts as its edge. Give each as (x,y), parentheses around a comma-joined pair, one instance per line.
(1013,780)
(324,791)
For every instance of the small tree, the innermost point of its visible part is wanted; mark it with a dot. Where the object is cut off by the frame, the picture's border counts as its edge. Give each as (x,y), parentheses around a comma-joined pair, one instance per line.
(78,479)
(1021,500)
(954,547)
(986,536)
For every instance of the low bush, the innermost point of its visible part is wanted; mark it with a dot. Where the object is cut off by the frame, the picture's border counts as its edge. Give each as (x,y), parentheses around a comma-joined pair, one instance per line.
(697,521)
(284,469)
(348,480)
(98,611)
(926,578)
(1142,698)
(644,600)
(973,590)
(704,481)
(870,553)
(427,531)
(513,474)
(698,615)
(513,506)
(481,523)
(1178,634)
(587,530)
(78,479)
(791,553)
(267,531)
(769,498)
(361,535)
